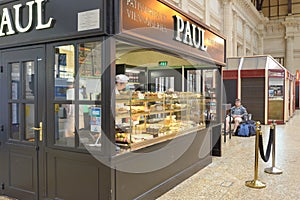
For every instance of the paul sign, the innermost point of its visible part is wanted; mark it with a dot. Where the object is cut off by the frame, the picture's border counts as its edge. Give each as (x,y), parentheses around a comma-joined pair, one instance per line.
(188,33)
(12,24)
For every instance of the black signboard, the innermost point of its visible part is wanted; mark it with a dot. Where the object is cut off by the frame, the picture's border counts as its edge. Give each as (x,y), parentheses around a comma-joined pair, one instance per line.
(29,22)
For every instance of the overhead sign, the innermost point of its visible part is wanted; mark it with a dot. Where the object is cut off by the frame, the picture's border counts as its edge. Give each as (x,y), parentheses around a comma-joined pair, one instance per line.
(188,33)
(158,22)
(11,19)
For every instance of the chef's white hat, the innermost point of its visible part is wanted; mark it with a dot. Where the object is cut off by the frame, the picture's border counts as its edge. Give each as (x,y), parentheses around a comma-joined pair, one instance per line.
(121,78)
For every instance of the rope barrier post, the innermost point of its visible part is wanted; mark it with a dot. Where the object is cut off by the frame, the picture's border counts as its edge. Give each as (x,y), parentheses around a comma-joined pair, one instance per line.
(225,125)
(256,183)
(230,133)
(273,169)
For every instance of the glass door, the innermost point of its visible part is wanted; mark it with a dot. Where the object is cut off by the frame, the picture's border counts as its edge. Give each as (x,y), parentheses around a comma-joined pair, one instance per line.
(23,104)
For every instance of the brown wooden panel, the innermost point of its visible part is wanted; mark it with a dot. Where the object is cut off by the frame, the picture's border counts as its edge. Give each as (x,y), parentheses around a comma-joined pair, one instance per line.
(253,97)
(75,179)
(20,178)
(151,184)
(276,110)
(21,171)
(76,176)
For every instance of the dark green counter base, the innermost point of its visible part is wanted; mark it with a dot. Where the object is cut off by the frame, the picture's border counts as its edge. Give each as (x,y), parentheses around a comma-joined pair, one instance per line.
(173,181)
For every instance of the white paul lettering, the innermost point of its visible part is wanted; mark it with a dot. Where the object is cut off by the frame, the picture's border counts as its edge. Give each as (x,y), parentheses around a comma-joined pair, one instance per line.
(9,26)
(17,17)
(189,34)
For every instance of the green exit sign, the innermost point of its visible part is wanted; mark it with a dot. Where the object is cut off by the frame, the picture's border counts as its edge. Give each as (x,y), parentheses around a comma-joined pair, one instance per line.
(163,63)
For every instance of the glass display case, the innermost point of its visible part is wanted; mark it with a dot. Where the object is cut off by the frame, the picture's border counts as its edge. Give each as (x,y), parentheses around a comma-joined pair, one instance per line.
(160,103)
(204,81)
(147,118)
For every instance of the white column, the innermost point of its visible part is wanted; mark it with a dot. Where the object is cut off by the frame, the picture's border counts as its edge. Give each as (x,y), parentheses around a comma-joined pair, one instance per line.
(184,5)
(289,62)
(252,42)
(260,39)
(234,36)
(207,12)
(261,45)
(244,39)
(289,23)
(228,26)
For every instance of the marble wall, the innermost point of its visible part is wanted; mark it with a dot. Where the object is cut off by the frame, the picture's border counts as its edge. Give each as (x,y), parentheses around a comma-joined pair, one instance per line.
(282,39)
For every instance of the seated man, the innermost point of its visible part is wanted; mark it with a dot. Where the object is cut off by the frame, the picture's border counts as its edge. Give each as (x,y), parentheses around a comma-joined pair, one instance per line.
(238,112)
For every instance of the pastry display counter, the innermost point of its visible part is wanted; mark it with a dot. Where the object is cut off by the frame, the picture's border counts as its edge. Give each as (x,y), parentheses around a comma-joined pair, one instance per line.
(144,119)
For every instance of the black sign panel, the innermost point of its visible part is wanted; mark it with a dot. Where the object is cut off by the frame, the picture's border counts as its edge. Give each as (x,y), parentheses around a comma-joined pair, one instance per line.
(20,20)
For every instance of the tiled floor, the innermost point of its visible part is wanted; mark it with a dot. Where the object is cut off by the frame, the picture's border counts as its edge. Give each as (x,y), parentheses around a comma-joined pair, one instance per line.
(225,178)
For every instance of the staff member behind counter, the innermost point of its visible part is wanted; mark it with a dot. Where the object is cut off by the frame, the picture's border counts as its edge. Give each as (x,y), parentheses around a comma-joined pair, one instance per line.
(121,82)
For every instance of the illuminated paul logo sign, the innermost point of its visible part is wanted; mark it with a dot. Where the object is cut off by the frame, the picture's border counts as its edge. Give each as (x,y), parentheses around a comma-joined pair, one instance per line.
(188,33)
(9,26)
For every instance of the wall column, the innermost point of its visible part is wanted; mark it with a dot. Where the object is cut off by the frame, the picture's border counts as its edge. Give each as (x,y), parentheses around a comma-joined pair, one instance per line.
(244,39)
(207,12)
(289,62)
(260,38)
(289,23)
(228,26)
(252,42)
(234,37)
(185,5)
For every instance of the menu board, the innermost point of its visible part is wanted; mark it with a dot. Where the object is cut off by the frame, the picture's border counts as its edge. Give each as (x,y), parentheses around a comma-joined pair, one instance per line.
(95,121)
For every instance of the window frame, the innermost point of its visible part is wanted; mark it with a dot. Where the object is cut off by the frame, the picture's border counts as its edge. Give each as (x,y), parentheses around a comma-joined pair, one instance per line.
(51,100)
(215,68)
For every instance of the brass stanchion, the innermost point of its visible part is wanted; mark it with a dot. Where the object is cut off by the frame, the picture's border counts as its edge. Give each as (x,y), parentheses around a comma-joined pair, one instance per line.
(273,169)
(256,183)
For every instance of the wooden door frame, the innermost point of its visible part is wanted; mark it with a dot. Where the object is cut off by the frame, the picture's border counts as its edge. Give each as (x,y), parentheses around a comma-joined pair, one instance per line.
(36,148)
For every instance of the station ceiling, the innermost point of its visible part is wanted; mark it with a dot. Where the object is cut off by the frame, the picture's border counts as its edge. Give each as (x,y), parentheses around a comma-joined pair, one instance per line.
(276,9)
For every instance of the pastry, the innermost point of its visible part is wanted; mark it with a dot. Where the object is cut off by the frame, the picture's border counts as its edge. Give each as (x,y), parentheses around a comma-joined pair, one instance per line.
(122,110)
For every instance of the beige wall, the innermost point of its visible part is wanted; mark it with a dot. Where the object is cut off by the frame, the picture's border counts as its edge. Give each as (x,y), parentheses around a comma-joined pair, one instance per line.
(282,39)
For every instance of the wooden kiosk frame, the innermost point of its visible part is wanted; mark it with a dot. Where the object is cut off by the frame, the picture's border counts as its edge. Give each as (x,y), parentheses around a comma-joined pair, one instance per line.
(266,88)
(38,165)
